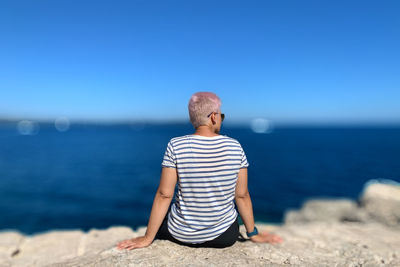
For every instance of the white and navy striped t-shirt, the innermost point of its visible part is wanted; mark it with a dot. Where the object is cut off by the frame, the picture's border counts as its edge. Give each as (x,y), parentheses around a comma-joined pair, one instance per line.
(207,169)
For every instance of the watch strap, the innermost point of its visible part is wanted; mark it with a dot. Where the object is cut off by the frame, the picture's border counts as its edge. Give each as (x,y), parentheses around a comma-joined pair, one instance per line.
(255,232)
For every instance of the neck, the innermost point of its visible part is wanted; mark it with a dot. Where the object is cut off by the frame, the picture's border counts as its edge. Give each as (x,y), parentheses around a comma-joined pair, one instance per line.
(205,131)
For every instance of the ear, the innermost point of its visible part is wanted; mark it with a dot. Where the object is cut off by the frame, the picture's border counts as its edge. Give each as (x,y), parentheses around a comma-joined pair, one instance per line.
(213,120)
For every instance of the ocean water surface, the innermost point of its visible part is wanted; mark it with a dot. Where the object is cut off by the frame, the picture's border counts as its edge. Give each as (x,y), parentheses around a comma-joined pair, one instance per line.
(96,176)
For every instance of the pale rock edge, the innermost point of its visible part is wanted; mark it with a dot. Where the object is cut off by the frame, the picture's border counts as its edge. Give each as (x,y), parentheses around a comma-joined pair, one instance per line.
(324,232)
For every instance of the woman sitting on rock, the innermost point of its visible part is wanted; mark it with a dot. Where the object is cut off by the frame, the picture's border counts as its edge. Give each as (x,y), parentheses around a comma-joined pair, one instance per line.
(211,172)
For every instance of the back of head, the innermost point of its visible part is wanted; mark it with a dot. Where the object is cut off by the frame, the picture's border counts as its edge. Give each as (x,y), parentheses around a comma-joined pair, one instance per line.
(202,104)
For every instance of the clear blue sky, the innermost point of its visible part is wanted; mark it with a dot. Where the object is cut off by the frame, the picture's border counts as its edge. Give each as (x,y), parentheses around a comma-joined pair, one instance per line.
(280,60)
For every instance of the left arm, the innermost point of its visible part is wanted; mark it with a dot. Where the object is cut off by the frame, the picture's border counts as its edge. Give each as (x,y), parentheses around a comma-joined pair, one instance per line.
(161,202)
(245,208)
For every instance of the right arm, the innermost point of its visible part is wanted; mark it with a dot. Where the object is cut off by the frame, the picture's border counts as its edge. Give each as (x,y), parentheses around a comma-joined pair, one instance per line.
(158,212)
(244,205)
(243,200)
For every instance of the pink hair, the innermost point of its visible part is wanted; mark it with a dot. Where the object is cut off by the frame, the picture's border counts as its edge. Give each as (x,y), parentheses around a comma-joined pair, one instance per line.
(200,105)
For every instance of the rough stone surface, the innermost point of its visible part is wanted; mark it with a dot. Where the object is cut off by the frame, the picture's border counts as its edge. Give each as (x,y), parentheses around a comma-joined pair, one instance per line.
(327,210)
(9,246)
(382,202)
(311,244)
(51,246)
(379,202)
(97,240)
(321,235)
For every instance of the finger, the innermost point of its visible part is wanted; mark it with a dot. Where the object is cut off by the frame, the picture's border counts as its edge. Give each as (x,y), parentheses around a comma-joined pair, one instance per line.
(272,240)
(125,245)
(122,243)
(277,241)
(129,245)
(132,247)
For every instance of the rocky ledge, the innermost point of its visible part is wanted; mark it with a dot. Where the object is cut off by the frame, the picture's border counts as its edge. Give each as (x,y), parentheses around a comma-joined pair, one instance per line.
(324,232)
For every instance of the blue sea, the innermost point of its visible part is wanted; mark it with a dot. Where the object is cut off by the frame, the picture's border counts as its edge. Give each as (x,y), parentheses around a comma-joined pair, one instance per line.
(97,176)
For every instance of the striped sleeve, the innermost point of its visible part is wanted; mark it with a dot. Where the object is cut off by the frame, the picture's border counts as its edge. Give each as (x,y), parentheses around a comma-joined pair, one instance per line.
(169,159)
(244,163)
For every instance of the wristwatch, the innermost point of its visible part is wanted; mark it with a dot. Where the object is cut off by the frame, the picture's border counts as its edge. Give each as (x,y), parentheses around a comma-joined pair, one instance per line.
(255,232)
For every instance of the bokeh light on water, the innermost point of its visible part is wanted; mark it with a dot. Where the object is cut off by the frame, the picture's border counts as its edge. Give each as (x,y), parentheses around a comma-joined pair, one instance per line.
(261,125)
(62,124)
(27,127)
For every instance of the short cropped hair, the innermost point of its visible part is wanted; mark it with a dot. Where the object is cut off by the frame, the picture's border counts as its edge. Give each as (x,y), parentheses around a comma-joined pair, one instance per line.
(200,105)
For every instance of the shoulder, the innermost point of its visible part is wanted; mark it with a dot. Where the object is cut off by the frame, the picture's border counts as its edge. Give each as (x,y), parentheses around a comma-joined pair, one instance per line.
(179,139)
(176,140)
(233,140)
(237,144)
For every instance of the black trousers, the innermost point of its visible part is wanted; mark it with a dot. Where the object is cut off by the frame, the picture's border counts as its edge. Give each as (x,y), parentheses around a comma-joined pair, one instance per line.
(226,239)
